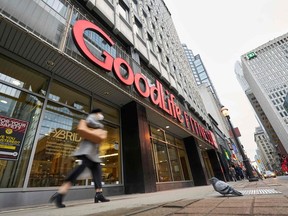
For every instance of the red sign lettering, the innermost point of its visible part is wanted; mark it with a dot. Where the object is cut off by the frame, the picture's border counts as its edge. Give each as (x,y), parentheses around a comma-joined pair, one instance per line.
(163,99)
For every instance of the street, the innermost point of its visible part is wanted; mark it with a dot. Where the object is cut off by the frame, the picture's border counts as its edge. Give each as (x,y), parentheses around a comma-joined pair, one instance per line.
(264,197)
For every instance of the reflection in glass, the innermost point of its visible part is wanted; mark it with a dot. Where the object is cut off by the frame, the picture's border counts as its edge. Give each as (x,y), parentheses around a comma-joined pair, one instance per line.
(162,163)
(175,165)
(64,94)
(57,140)
(21,77)
(22,106)
(109,154)
(170,158)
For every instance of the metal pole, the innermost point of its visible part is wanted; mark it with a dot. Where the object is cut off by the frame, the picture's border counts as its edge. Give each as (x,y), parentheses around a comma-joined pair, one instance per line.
(246,162)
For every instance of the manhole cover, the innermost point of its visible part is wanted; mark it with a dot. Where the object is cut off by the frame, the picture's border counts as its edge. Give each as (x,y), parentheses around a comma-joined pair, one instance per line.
(259,191)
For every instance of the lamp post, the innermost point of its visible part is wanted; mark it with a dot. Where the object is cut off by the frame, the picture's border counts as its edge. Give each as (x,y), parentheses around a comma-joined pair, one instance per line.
(248,167)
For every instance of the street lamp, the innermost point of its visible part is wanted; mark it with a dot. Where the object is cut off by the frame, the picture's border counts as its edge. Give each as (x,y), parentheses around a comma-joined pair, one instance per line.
(246,162)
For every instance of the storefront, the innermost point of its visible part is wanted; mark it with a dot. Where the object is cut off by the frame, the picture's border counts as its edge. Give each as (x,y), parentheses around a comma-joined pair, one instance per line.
(48,83)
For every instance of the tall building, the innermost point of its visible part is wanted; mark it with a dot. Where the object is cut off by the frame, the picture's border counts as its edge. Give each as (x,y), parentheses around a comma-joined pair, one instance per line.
(260,114)
(59,59)
(267,150)
(199,71)
(258,160)
(213,106)
(265,70)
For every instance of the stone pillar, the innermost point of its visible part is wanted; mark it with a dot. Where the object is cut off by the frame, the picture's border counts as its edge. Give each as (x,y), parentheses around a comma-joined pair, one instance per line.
(138,169)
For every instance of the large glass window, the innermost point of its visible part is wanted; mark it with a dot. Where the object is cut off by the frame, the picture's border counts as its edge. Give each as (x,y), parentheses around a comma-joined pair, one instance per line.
(110,148)
(170,158)
(16,107)
(21,77)
(68,96)
(162,161)
(57,140)
(46,18)
(110,156)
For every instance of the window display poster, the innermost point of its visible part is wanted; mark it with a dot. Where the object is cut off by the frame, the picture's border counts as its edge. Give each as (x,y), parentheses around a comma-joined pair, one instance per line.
(12,132)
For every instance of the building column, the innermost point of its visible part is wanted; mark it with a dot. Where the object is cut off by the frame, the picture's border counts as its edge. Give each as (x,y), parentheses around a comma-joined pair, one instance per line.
(196,162)
(138,169)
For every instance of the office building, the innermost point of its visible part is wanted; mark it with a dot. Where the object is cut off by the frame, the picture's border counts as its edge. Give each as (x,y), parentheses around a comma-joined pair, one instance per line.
(60,59)
(265,70)
(213,106)
(268,156)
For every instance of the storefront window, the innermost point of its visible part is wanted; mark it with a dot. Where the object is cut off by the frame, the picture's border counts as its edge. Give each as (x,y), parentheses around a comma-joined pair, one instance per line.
(110,148)
(110,114)
(176,167)
(68,96)
(109,154)
(21,109)
(169,157)
(162,162)
(22,77)
(57,140)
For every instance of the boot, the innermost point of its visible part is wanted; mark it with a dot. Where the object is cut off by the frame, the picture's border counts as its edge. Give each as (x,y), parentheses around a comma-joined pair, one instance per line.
(99,197)
(57,198)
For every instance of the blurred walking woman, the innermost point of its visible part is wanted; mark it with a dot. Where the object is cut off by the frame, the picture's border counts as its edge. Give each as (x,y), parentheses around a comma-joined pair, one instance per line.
(92,131)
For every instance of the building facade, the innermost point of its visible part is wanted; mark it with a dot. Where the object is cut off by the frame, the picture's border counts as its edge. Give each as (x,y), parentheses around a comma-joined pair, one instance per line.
(60,59)
(265,70)
(268,156)
(260,116)
(213,106)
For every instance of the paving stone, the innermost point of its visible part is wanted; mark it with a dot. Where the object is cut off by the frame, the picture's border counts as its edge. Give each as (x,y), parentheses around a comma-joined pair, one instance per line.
(271,204)
(235,204)
(271,211)
(157,212)
(270,199)
(234,211)
(192,214)
(180,204)
(196,210)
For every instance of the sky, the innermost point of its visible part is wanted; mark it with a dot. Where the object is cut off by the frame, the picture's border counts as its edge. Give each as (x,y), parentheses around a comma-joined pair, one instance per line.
(220,32)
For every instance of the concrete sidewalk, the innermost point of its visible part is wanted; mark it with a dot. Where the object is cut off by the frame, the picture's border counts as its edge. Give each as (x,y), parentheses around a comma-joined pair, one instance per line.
(260,198)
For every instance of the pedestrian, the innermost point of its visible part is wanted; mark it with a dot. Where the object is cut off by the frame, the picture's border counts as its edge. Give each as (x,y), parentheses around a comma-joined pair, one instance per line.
(284,164)
(232,172)
(92,133)
(239,172)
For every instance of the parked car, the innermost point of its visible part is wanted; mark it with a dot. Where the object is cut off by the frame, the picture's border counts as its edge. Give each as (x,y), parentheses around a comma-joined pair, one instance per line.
(269,174)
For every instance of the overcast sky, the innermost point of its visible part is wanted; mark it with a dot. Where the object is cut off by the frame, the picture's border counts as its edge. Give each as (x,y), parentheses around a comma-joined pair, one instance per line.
(221,31)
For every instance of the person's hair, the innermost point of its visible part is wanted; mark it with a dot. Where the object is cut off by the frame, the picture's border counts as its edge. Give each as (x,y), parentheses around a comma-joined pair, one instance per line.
(96,111)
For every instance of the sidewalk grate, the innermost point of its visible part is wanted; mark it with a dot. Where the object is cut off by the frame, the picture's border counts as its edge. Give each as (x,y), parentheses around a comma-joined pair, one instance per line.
(259,191)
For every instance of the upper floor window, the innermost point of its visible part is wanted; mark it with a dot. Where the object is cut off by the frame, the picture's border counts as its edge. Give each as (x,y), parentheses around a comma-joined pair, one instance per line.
(145,19)
(124,11)
(150,41)
(135,6)
(139,29)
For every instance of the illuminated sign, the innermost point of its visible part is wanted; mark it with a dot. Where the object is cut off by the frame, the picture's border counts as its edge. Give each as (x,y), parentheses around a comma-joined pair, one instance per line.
(157,95)
(251,55)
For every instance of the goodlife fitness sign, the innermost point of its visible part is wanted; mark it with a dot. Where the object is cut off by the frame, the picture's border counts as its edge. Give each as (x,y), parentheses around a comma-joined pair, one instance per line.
(154,93)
